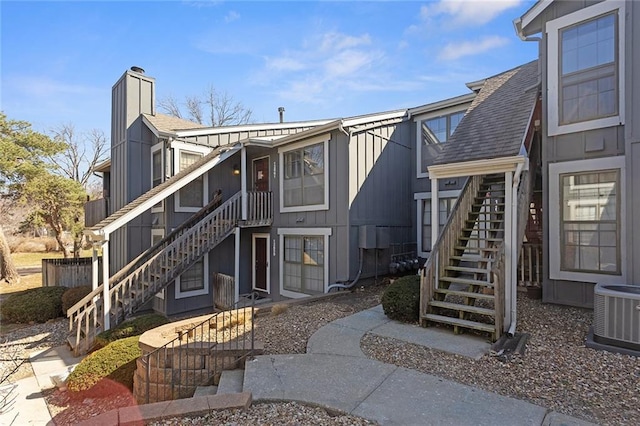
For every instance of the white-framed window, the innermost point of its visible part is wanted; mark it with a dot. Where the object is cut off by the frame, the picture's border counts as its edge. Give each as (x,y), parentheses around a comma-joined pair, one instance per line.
(446,202)
(304,172)
(586,69)
(304,269)
(157,172)
(194,281)
(588,220)
(192,197)
(157,234)
(433,130)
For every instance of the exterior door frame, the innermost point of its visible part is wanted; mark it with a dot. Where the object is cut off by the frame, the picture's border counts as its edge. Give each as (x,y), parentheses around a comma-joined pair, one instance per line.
(266,237)
(253,171)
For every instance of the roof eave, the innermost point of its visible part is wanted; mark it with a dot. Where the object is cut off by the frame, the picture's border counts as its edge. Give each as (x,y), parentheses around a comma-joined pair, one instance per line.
(523,30)
(475,167)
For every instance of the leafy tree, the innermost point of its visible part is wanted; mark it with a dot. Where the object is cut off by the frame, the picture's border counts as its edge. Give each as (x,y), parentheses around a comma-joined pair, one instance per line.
(212,108)
(28,175)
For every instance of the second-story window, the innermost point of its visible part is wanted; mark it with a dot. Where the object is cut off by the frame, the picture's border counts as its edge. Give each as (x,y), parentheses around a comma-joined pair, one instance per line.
(435,131)
(157,172)
(193,196)
(304,177)
(588,82)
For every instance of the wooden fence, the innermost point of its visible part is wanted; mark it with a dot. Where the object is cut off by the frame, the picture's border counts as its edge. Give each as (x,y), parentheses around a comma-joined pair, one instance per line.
(68,272)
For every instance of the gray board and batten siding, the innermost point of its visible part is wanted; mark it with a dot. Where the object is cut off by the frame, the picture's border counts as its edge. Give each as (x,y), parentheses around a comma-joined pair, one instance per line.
(598,143)
(132,95)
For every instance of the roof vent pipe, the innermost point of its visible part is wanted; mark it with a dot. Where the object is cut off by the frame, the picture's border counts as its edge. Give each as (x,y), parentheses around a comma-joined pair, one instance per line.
(281,113)
(137,69)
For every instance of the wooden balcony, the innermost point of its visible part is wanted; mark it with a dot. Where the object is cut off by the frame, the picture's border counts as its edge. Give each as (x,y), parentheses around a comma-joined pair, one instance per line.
(95,211)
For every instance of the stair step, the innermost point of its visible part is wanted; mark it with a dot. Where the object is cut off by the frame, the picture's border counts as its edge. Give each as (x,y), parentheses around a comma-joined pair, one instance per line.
(465,308)
(231,381)
(464,294)
(466,281)
(205,390)
(483,229)
(481,238)
(466,269)
(460,322)
(488,249)
(485,220)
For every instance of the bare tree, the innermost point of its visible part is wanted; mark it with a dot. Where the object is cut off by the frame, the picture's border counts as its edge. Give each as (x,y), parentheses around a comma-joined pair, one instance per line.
(82,154)
(211,108)
(170,105)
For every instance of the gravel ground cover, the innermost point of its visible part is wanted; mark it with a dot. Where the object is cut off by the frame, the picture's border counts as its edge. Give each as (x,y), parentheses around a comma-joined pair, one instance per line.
(557,371)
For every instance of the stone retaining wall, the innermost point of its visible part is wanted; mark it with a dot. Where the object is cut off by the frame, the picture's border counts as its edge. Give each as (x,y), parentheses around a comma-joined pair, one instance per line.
(190,361)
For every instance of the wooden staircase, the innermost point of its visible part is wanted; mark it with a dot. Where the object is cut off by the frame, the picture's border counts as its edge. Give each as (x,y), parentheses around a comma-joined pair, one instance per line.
(465,296)
(138,282)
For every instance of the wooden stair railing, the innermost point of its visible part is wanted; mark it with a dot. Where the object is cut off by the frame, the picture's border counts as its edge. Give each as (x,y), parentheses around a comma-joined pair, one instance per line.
(153,271)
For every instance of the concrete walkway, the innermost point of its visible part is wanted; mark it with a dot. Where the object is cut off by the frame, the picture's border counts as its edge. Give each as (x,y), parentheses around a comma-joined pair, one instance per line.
(26,403)
(335,374)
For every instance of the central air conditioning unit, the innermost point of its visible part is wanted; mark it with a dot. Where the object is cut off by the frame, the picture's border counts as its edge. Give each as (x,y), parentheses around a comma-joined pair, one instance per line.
(616,315)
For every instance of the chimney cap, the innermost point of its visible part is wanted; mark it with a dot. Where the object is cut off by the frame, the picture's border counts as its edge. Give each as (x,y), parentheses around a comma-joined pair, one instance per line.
(280,109)
(137,69)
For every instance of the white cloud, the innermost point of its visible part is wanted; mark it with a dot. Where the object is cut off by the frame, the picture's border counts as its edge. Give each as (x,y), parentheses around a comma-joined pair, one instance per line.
(336,41)
(232,16)
(42,86)
(284,63)
(453,51)
(467,12)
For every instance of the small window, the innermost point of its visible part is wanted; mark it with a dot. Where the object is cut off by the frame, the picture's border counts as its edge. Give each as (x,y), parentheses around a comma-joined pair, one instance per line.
(588,80)
(304,264)
(585,65)
(157,173)
(589,228)
(304,178)
(192,195)
(445,207)
(434,132)
(193,278)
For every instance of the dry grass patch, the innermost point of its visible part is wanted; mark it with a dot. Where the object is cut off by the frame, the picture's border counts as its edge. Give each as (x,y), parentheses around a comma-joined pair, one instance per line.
(279,308)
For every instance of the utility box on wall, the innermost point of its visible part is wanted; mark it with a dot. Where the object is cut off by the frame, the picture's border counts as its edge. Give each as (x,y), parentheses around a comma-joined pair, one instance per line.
(367,236)
(383,239)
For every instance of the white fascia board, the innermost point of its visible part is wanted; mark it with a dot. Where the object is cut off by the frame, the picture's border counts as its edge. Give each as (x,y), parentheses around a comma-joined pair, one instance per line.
(476,167)
(336,124)
(170,189)
(356,121)
(249,127)
(534,12)
(435,106)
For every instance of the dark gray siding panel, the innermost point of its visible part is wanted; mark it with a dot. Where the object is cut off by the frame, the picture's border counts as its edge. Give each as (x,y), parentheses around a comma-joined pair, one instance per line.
(633,213)
(568,293)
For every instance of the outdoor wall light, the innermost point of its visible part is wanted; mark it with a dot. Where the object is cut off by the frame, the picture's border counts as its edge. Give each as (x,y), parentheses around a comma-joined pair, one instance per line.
(236,170)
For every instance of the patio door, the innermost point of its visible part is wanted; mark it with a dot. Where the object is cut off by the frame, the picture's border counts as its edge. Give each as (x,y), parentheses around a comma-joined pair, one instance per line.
(261,262)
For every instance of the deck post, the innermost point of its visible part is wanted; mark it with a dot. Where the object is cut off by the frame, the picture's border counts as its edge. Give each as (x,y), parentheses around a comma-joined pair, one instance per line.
(509,219)
(106,299)
(94,266)
(243,180)
(236,287)
(435,228)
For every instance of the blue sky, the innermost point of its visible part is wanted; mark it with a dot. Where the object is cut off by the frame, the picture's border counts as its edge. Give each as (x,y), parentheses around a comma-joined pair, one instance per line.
(319,60)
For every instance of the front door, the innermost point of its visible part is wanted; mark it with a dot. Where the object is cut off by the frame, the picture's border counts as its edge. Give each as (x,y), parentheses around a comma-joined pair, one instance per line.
(261,174)
(261,262)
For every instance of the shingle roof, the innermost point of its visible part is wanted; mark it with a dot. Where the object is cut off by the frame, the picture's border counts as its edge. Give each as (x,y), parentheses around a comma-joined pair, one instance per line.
(496,120)
(169,123)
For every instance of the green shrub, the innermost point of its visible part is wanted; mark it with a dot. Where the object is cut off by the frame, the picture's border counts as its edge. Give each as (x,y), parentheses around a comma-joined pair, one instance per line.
(73,296)
(134,327)
(401,300)
(37,305)
(97,373)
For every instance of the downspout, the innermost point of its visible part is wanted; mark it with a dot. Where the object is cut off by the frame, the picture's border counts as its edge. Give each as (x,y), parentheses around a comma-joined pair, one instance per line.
(514,243)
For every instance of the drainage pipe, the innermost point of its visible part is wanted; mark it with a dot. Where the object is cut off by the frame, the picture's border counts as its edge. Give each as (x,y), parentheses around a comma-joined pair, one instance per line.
(348,286)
